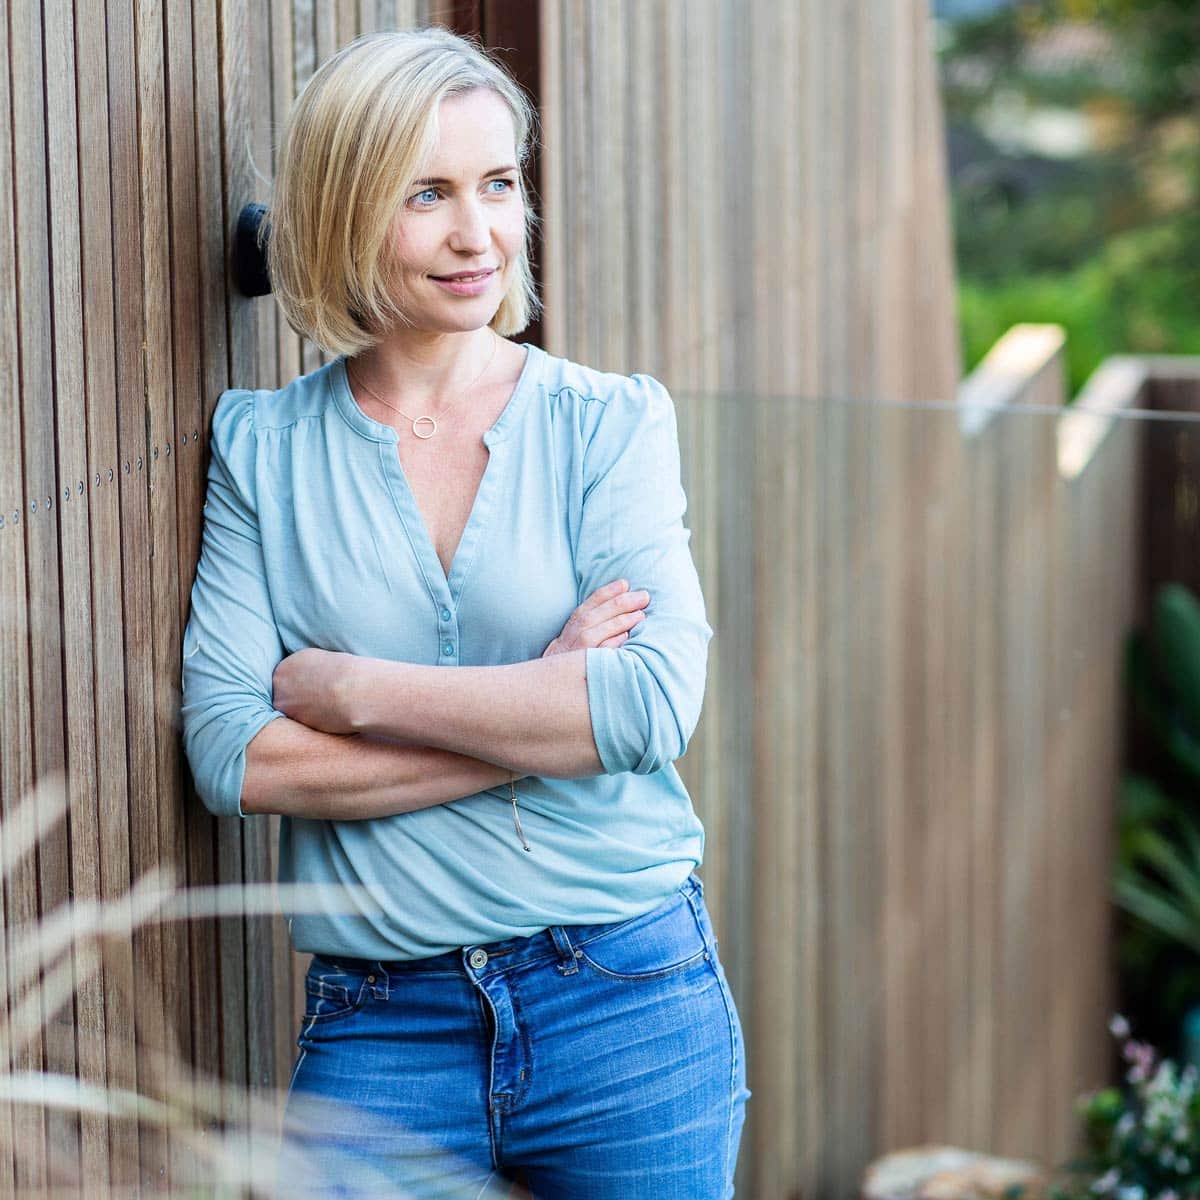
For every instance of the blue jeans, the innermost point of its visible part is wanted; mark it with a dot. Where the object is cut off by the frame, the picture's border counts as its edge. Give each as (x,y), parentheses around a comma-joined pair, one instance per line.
(593,1061)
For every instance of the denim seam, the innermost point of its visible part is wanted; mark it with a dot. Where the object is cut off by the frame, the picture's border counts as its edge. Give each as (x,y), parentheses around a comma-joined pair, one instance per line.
(526,1044)
(609,930)
(733,1055)
(688,892)
(322,991)
(733,1067)
(493,1116)
(296,1068)
(649,976)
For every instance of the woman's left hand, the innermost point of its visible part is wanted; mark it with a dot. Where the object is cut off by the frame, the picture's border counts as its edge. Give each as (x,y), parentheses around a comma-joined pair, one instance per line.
(313,687)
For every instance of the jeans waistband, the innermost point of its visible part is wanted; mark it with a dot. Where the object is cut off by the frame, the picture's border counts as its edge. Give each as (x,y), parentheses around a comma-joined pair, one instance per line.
(557,941)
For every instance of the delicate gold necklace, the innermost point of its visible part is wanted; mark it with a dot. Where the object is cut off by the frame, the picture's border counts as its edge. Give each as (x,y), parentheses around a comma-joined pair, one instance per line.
(432,420)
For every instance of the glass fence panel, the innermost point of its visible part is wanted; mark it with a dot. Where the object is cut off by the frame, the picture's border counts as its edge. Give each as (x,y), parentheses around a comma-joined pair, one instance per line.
(955,678)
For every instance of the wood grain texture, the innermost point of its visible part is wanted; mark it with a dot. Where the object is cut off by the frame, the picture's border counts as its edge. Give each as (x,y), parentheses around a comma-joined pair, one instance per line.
(879,743)
(109,670)
(204,863)
(43,584)
(70,439)
(22,1129)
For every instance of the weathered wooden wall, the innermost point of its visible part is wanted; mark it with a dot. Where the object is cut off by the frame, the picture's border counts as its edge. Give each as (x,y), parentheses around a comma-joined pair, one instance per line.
(136,132)
(908,760)
(907,836)
(890,788)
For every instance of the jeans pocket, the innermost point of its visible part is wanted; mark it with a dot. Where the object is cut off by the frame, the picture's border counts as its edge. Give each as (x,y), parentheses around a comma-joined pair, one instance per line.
(662,942)
(330,994)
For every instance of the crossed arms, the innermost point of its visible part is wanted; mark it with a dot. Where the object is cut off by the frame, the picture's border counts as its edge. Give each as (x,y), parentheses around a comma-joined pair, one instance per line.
(338,752)
(337,736)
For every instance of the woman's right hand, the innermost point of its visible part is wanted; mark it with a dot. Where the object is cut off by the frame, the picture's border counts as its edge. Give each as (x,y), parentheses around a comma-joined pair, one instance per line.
(603,619)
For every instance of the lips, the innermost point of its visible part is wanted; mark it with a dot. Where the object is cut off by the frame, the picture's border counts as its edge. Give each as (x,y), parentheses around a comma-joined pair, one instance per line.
(466,276)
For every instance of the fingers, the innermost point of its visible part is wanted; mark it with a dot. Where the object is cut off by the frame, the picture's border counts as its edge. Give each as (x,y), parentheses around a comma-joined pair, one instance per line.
(619,626)
(602,595)
(604,618)
(611,599)
(613,642)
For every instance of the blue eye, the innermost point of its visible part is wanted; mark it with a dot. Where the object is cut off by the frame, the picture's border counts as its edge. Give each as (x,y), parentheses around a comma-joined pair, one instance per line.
(508,183)
(419,198)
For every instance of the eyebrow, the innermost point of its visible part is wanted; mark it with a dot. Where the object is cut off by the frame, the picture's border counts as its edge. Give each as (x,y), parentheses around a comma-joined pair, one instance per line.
(485,175)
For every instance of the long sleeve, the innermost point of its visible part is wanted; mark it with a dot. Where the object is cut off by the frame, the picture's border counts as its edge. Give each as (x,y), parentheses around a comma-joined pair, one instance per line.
(231,645)
(313,537)
(645,697)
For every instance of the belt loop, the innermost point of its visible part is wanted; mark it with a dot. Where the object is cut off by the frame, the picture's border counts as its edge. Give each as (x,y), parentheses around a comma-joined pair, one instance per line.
(569,956)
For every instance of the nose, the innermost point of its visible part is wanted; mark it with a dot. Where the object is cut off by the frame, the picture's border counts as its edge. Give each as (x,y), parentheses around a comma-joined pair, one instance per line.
(472,233)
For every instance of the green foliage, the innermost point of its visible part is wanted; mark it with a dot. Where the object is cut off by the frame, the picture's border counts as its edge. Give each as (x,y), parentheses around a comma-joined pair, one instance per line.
(1156,880)
(1162,43)
(1163,673)
(1175,646)
(1160,883)
(1159,41)
(1052,231)
(1097,246)
(1137,295)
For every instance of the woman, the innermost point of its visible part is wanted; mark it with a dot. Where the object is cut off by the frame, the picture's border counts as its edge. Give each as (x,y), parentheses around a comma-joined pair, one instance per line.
(515,971)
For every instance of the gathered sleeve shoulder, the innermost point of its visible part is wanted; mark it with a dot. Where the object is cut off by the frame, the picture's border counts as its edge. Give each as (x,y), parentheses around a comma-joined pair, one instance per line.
(645,696)
(231,645)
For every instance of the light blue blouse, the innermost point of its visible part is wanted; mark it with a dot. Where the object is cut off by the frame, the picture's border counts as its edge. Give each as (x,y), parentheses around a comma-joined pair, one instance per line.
(312,537)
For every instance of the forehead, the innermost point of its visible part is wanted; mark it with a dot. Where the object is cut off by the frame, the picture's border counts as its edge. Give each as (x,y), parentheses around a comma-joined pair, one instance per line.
(475,133)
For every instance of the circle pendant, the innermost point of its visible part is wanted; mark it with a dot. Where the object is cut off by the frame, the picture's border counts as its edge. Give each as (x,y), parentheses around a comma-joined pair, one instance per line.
(433,427)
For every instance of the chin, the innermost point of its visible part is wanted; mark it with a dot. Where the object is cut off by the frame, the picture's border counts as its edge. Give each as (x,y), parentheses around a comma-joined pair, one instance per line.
(467,322)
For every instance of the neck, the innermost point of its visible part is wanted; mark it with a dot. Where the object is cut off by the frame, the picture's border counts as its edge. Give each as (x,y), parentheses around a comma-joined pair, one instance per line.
(416,367)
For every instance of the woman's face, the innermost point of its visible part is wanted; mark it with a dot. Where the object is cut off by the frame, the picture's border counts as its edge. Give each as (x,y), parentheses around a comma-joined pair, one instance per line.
(465,214)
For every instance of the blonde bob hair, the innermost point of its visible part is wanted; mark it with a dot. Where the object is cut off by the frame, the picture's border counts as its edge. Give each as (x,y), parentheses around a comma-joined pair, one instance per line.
(355,140)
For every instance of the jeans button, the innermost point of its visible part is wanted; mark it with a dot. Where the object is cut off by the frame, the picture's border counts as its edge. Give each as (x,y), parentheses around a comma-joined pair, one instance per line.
(478,959)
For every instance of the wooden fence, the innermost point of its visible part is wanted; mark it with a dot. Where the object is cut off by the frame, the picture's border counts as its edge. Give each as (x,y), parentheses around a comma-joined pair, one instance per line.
(907,838)
(908,761)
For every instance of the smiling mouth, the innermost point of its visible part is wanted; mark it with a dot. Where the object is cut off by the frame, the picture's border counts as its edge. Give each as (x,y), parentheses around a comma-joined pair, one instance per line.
(465,278)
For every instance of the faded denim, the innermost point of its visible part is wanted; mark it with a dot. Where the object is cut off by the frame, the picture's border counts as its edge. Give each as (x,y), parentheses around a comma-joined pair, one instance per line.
(601,1061)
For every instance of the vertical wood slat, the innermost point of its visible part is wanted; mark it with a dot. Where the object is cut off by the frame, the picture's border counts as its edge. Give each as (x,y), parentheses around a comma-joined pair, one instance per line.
(190,948)
(70,438)
(136,540)
(164,834)
(184,416)
(42,581)
(103,457)
(205,864)
(285,19)
(22,1129)
(986,599)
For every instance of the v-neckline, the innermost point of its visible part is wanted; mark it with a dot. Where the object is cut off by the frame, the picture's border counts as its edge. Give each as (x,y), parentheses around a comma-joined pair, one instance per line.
(443,585)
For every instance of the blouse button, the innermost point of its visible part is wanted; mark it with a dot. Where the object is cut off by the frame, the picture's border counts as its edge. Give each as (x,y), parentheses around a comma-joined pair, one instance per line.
(445,614)
(448,648)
